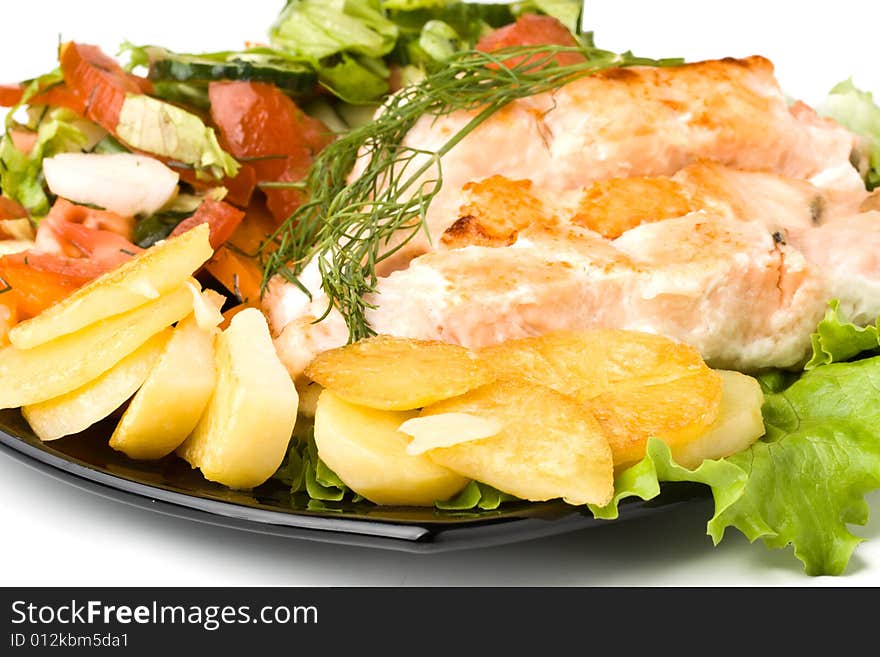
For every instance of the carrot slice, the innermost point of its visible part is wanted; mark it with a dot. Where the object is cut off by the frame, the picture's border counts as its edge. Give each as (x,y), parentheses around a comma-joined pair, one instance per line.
(10,94)
(236,265)
(39,280)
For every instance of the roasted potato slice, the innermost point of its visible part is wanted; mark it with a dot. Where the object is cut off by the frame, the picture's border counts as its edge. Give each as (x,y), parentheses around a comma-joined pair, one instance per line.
(243,435)
(31,376)
(636,384)
(550,445)
(173,397)
(365,449)
(155,272)
(79,409)
(739,423)
(398,374)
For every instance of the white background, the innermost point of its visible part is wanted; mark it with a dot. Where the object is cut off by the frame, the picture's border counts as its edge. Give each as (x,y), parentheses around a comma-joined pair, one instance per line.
(54,534)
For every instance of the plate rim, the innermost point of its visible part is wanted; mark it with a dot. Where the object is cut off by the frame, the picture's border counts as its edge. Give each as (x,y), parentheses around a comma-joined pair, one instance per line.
(414,537)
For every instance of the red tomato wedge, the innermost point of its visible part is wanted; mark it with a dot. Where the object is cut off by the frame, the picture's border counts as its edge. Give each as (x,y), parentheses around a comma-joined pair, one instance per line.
(532,30)
(222,220)
(99,81)
(75,244)
(260,125)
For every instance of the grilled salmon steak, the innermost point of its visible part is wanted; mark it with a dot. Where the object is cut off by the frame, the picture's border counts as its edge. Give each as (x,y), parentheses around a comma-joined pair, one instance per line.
(691,202)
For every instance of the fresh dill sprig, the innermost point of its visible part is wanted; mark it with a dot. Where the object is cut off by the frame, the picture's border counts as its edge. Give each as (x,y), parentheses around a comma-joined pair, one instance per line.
(347,225)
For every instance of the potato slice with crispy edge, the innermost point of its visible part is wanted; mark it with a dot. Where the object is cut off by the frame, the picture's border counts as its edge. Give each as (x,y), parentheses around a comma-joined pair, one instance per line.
(550,446)
(31,376)
(365,449)
(398,374)
(243,434)
(79,409)
(637,385)
(739,423)
(158,270)
(173,397)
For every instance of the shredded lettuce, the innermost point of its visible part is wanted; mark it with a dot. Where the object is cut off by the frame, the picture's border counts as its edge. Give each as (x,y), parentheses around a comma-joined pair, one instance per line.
(21,174)
(856,109)
(316,29)
(157,127)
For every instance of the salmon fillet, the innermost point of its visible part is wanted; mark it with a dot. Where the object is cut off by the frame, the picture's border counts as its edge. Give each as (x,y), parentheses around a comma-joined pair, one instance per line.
(690,202)
(639,121)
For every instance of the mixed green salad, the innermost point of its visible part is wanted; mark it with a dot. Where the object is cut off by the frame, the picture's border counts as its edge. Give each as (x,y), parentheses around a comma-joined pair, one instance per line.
(802,484)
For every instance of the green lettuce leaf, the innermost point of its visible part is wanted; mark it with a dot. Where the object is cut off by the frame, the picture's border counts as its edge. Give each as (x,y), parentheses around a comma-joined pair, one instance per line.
(475,496)
(21,174)
(643,479)
(837,339)
(157,127)
(808,477)
(304,472)
(856,109)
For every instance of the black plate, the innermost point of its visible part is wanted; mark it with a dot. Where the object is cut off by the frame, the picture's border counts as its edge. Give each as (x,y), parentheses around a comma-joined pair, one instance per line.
(171,486)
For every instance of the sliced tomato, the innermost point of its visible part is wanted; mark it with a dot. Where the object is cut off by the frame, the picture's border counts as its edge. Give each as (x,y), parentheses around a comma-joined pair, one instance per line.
(532,30)
(74,245)
(261,126)
(64,210)
(99,82)
(222,220)
(283,202)
(9,209)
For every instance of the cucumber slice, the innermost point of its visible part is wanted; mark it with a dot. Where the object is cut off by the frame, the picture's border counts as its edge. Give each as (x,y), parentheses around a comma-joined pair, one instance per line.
(292,77)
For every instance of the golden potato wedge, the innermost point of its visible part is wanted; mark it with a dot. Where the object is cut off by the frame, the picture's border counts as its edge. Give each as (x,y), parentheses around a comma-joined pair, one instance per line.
(550,446)
(155,272)
(31,376)
(398,374)
(173,397)
(365,449)
(79,409)
(243,434)
(739,423)
(637,385)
